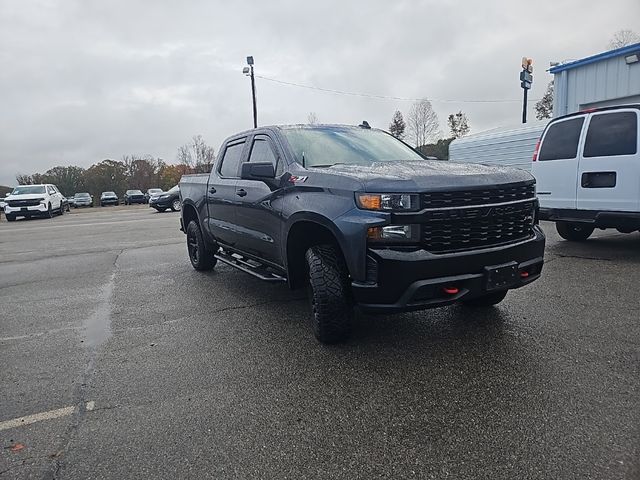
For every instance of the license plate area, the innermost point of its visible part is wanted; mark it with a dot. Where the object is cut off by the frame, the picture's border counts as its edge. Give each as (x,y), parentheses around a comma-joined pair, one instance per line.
(501,277)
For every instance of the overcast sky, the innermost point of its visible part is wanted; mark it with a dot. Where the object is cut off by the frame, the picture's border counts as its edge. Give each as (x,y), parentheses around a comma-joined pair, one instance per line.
(81,80)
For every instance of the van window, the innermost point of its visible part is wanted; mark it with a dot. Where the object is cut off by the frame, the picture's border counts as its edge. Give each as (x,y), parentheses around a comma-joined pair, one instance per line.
(561,140)
(612,134)
(231,160)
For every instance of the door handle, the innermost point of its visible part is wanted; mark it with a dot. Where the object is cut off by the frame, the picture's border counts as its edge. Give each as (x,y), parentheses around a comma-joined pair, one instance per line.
(212,190)
(241,193)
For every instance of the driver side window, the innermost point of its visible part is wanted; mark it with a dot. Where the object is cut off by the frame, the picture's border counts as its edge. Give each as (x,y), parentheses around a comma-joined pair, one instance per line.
(261,151)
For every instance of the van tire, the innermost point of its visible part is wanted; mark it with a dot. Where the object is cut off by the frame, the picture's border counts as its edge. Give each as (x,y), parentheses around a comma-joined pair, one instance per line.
(331,307)
(574,231)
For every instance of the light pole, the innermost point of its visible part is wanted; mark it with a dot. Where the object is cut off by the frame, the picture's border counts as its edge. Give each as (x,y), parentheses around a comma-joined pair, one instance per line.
(249,71)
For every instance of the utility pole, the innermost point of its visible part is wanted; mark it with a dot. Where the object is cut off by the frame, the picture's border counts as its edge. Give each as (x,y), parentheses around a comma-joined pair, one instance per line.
(249,71)
(526,79)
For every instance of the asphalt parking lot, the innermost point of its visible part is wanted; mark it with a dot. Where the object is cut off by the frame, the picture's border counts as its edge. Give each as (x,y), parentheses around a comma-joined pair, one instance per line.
(120,361)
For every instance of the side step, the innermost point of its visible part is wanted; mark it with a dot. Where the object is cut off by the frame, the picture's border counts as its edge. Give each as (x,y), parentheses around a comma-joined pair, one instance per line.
(249,266)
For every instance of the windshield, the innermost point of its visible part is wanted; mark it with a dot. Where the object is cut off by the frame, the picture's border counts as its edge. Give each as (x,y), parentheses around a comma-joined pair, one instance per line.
(331,145)
(82,195)
(174,189)
(27,190)
(154,190)
(109,194)
(134,192)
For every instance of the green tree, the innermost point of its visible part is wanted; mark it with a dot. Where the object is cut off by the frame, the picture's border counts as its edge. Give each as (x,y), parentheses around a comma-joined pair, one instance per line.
(108,175)
(544,106)
(458,124)
(397,125)
(68,179)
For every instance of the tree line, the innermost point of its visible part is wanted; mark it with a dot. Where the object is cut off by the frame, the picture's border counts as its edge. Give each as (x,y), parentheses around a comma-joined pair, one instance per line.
(422,129)
(132,172)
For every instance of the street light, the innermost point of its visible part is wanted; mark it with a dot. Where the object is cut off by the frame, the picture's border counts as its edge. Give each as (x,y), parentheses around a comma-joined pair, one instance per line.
(249,72)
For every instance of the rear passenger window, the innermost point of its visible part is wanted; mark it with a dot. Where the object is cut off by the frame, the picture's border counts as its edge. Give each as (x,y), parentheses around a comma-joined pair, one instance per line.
(612,134)
(561,140)
(231,160)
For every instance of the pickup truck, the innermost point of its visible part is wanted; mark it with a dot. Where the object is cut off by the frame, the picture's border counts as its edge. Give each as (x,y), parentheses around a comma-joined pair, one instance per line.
(362,220)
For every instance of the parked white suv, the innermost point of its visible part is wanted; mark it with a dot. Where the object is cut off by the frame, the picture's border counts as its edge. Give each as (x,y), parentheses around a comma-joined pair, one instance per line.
(587,167)
(33,200)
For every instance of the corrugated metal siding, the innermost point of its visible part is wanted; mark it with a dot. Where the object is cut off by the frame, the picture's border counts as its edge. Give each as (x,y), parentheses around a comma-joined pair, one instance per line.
(607,82)
(506,146)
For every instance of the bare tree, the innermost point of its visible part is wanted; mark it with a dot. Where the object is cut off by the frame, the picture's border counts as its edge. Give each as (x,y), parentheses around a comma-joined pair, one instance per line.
(544,106)
(197,155)
(422,122)
(458,124)
(622,38)
(312,118)
(397,125)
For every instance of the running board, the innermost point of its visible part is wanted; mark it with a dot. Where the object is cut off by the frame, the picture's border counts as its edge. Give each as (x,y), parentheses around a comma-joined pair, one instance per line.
(249,266)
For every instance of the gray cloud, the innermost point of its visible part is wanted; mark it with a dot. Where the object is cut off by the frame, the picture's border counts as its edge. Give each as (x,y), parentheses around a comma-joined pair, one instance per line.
(85,80)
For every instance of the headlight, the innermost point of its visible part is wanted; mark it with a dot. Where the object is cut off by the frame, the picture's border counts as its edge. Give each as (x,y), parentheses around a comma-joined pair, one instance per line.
(387,201)
(164,196)
(394,234)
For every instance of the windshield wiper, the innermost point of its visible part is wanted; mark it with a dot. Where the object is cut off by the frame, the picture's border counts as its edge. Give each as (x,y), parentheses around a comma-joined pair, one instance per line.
(328,165)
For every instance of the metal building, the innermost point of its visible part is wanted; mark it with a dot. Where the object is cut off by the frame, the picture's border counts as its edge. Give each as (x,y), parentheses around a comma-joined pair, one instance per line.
(511,146)
(609,78)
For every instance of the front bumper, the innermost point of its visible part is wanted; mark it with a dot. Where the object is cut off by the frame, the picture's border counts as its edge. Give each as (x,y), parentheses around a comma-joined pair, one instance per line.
(26,211)
(595,218)
(109,201)
(157,203)
(415,280)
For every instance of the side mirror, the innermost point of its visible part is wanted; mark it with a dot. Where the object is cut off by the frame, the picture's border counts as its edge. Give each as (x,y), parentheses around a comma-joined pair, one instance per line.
(257,171)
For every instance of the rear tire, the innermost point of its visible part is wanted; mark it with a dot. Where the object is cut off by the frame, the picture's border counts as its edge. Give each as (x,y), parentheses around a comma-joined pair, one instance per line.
(329,294)
(61,209)
(574,231)
(487,300)
(202,259)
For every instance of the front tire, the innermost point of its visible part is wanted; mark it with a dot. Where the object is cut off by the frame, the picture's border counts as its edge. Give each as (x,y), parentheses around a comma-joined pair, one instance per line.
(487,300)
(49,213)
(61,209)
(201,258)
(574,231)
(10,218)
(176,205)
(329,295)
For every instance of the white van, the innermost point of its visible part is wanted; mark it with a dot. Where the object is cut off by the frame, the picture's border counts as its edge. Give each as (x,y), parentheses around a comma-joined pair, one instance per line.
(587,167)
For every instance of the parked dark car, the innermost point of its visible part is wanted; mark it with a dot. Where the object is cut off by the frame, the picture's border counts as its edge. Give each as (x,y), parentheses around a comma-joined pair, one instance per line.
(361,219)
(150,193)
(133,196)
(169,199)
(108,198)
(83,199)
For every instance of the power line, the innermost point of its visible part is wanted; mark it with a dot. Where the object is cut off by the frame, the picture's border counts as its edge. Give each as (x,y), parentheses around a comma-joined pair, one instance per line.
(386,97)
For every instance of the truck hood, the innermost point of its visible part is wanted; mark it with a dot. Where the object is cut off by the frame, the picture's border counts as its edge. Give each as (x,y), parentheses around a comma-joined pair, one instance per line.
(26,196)
(417,176)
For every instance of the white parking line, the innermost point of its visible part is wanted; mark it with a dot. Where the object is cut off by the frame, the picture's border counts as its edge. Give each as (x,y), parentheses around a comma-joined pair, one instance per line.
(38,417)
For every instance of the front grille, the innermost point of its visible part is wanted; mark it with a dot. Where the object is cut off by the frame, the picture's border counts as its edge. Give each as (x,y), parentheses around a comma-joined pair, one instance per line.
(23,203)
(487,227)
(485,196)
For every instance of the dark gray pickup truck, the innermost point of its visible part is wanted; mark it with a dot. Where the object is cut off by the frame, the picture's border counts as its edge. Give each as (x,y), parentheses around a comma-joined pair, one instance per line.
(362,220)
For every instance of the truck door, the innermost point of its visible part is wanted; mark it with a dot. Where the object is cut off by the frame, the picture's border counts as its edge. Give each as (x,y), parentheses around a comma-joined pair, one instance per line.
(258,215)
(221,194)
(609,166)
(557,163)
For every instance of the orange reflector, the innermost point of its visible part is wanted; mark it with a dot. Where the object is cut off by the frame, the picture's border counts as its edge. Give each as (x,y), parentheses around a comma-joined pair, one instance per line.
(370,202)
(374,232)
(450,290)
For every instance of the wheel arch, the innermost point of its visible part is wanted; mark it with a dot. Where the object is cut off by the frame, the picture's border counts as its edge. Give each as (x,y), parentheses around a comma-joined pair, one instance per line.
(302,233)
